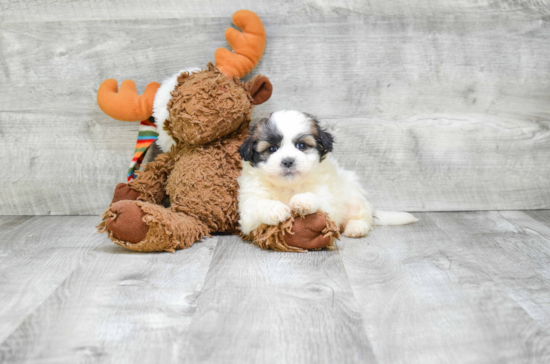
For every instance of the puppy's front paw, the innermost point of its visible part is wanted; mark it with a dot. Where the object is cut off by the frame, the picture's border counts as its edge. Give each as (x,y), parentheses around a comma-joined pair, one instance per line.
(356,229)
(277,213)
(304,204)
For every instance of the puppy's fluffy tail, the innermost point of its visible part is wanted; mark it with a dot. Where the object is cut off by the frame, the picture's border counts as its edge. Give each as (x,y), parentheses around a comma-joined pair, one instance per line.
(393,218)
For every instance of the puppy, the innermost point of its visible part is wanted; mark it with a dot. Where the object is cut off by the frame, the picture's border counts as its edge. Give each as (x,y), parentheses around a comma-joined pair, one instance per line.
(287,166)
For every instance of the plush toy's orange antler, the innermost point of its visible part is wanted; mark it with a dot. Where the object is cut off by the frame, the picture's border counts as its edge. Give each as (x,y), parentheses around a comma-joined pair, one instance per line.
(126,104)
(248,46)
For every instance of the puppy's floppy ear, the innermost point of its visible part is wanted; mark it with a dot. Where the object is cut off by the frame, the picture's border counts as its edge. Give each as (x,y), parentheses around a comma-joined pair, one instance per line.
(261,90)
(324,142)
(323,138)
(247,149)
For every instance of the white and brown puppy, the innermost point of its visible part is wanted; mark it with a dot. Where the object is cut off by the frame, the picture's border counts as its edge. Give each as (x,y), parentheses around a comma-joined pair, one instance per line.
(287,166)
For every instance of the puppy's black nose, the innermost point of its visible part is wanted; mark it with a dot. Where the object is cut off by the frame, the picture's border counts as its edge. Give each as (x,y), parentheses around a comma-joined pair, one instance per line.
(288,162)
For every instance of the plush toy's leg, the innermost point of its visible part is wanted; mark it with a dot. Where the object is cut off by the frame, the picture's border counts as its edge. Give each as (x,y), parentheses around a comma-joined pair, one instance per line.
(151,182)
(146,227)
(124,192)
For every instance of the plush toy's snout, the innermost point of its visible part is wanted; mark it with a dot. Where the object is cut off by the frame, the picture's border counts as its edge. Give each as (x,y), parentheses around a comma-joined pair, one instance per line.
(208,105)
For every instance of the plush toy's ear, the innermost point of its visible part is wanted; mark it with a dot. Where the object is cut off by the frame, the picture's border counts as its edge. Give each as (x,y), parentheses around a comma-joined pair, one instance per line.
(261,90)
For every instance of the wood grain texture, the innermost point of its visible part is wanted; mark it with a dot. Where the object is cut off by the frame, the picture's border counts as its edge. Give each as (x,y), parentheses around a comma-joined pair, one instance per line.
(466,287)
(542,216)
(37,254)
(118,307)
(515,249)
(450,99)
(455,287)
(441,163)
(270,307)
(39,10)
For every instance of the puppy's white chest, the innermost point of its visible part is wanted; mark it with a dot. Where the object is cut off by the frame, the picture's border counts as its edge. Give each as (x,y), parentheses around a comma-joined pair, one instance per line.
(284,194)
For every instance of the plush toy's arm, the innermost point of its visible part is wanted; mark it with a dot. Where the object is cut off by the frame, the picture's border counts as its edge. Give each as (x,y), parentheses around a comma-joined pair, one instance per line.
(297,234)
(151,182)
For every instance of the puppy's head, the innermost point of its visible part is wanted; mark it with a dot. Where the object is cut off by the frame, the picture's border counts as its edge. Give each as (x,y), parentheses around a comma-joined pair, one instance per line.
(287,146)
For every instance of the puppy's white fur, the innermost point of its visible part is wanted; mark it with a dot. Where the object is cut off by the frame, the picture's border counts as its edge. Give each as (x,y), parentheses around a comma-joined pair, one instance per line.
(269,191)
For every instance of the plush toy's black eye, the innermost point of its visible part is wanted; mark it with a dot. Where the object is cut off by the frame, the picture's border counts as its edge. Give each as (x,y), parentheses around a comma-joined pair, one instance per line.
(300,146)
(272,149)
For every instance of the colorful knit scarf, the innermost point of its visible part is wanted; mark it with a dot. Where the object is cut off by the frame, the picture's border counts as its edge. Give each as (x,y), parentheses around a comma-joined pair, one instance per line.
(146,136)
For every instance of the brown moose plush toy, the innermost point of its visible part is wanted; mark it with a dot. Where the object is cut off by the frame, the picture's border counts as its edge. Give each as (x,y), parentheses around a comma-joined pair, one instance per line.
(203,117)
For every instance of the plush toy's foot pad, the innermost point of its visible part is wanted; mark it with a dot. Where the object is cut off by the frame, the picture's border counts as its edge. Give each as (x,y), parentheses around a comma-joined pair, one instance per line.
(126,222)
(145,227)
(124,192)
(297,234)
(307,232)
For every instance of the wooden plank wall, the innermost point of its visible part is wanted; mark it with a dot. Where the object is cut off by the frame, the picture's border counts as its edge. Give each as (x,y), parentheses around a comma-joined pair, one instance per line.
(438,104)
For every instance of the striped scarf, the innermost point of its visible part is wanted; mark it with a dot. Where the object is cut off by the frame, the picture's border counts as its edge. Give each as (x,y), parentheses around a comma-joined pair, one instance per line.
(147,135)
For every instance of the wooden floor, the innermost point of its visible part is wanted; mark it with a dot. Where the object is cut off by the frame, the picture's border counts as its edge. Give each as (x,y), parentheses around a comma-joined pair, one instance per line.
(469,287)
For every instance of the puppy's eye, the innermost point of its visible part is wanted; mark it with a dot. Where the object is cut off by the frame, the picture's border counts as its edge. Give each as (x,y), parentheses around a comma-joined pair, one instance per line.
(272,149)
(300,146)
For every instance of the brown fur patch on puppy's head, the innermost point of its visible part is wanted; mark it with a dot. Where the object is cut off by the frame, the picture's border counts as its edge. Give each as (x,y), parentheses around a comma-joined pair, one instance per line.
(263,135)
(323,140)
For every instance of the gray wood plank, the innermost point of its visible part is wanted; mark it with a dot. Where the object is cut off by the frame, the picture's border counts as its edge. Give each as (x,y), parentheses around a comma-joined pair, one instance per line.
(118,307)
(463,287)
(40,10)
(36,255)
(446,290)
(441,104)
(463,163)
(270,307)
(542,216)
(515,251)
(346,66)
(74,175)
